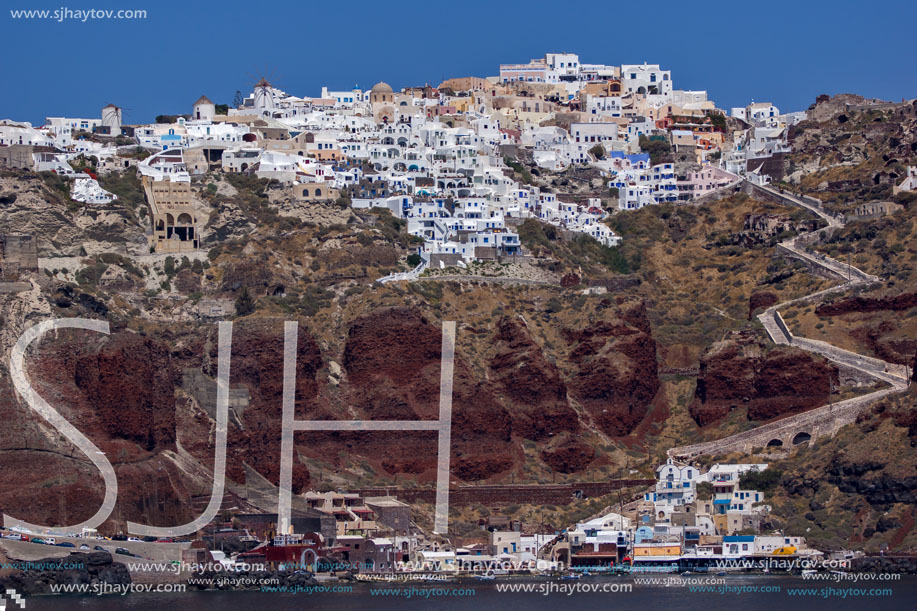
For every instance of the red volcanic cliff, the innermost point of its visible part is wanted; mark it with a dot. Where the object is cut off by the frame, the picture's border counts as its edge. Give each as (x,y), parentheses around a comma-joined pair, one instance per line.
(876,327)
(393,362)
(127,392)
(129,381)
(771,383)
(616,374)
(532,386)
(118,391)
(864,303)
(257,364)
(569,457)
(760,300)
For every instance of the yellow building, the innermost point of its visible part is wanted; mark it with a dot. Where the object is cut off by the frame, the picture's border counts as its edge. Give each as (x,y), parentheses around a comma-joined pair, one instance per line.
(172,214)
(657,549)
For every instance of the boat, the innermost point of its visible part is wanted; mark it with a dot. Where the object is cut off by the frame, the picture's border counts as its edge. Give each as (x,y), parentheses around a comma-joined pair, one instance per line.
(809,571)
(571,577)
(485,577)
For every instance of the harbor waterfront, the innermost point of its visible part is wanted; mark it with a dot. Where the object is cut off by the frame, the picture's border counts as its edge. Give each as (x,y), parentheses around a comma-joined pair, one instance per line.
(597,592)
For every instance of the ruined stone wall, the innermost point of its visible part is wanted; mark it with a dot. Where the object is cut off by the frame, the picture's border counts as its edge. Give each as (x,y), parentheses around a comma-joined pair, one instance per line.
(18,255)
(547,494)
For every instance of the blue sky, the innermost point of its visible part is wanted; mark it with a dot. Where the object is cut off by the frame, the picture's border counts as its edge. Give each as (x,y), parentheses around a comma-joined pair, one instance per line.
(779,51)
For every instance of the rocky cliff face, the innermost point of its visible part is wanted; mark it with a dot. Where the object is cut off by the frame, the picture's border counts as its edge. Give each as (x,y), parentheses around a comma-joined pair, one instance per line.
(877,322)
(865,303)
(125,391)
(530,383)
(740,372)
(30,206)
(615,376)
(858,489)
(760,300)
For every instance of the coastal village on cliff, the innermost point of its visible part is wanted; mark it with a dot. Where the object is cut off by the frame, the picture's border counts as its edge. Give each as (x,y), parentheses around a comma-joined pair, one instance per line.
(462,175)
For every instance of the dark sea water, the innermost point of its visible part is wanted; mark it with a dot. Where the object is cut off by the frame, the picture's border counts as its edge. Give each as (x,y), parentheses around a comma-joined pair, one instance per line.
(479,596)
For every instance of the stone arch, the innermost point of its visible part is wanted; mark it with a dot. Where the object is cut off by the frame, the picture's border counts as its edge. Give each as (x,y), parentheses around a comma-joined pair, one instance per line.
(184,218)
(775,443)
(801,437)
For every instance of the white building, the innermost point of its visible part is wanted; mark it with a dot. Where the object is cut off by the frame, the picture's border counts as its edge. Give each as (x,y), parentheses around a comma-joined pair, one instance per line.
(86,189)
(646,79)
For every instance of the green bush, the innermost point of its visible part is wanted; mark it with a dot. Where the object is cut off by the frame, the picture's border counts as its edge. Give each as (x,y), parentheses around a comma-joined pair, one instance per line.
(245,304)
(764,481)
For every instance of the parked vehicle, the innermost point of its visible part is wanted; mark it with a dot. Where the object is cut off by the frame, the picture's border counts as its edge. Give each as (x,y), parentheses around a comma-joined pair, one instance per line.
(123,552)
(50,541)
(64,544)
(99,548)
(38,540)
(84,546)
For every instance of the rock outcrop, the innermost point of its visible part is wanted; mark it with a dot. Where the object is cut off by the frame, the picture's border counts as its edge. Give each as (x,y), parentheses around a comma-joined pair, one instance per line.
(77,568)
(616,375)
(534,387)
(760,300)
(740,372)
(865,303)
(392,360)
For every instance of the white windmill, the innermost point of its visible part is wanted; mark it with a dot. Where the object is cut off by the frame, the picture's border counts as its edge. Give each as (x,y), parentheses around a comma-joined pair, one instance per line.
(111,118)
(264,95)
